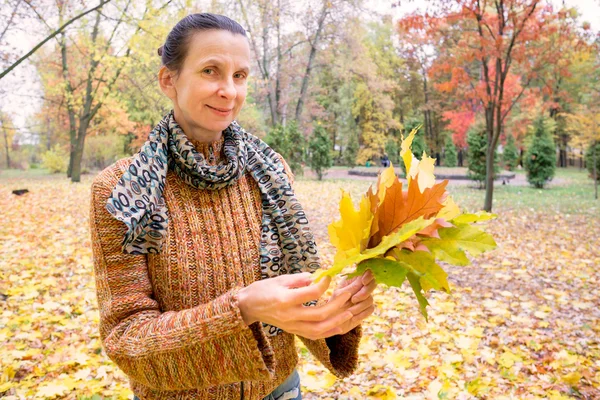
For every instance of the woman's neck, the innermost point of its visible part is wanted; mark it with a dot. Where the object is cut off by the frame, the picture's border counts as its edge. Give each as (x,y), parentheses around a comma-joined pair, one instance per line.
(194,132)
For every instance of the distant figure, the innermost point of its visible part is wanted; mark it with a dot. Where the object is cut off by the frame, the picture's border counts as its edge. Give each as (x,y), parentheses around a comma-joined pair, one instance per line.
(385,161)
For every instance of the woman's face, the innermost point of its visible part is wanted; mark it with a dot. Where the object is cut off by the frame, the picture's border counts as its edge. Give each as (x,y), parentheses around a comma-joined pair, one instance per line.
(210,89)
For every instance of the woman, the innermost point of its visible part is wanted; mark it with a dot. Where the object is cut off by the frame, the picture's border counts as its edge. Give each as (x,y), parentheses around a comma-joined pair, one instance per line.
(202,253)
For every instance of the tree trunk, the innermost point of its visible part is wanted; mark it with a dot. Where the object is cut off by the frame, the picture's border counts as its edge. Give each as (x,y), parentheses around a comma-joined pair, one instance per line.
(489,160)
(311,58)
(278,73)
(426,116)
(595,172)
(86,115)
(7,147)
(265,67)
(71,157)
(77,157)
(262,66)
(565,142)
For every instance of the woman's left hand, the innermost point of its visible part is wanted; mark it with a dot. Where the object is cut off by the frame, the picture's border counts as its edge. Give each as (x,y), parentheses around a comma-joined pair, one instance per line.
(360,304)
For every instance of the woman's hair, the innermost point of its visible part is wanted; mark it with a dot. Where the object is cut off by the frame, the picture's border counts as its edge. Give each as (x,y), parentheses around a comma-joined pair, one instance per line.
(174,51)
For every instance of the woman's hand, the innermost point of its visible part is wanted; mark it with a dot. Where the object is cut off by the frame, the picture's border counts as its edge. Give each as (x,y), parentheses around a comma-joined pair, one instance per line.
(360,286)
(279,302)
(361,303)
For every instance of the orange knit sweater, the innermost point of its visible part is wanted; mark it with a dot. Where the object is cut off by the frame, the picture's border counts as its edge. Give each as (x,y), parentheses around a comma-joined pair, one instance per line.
(171,321)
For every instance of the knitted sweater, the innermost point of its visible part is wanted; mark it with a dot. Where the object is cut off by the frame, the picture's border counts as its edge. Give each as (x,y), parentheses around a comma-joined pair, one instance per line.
(171,321)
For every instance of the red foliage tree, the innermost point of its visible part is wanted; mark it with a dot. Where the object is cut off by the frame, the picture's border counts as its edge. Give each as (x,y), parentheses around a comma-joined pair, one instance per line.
(489,51)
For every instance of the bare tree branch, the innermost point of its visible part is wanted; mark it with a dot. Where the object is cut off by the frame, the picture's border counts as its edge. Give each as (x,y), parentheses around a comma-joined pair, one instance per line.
(12,16)
(59,30)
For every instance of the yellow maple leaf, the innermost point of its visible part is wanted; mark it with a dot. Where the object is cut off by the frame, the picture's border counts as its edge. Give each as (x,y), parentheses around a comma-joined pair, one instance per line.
(384,181)
(382,392)
(51,390)
(406,153)
(423,168)
(426,179)
(573,378)
(450,210)
(350,233)
(328,380)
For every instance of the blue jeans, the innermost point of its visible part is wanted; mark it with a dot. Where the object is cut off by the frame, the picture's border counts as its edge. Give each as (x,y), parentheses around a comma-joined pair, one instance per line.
(288,390)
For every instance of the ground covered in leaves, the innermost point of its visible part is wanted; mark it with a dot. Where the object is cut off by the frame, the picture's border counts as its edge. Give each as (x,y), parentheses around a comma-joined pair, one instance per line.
(522,322)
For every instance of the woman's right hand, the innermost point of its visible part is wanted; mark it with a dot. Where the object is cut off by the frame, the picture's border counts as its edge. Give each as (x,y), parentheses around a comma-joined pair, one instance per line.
(279,302)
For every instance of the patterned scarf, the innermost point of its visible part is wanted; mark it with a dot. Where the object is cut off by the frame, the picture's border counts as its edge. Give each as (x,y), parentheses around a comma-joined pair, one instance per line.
(287,245)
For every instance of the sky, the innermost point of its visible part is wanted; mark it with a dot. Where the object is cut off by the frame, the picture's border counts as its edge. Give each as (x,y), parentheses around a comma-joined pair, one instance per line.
(24,100)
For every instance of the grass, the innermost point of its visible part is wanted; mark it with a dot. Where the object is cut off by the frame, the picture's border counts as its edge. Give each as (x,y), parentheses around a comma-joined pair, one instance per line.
(574,195)
(564,199)
(16,175)
(26,174)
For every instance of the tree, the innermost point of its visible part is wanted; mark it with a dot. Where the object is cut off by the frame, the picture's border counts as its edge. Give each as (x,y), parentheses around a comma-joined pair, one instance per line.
(459,123)
(319,158)
(564,80)
(540,158)
(510,155)
(393,151)
(290,143)
(332,105)
(375,73)
(450,159)
(8,134)
(283,54)
(483,43)
(477,153)
(351,152)
(419,40)
(137,86)
(86,67)
(590,157)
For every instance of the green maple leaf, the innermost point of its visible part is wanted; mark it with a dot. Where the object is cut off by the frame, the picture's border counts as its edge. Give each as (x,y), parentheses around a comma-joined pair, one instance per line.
(418,266)
(453,243)
(389,272)
(394,273)
(431,275)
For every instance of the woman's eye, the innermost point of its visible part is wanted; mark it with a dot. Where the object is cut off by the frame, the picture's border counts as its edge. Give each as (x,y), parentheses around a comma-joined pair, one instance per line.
(239,76)
(208,71)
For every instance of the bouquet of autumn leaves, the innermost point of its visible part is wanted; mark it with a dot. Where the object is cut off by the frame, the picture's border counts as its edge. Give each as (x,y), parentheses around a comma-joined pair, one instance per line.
(400,234)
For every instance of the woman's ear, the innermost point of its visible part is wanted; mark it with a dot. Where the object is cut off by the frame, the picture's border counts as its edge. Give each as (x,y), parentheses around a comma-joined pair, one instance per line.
(166,79)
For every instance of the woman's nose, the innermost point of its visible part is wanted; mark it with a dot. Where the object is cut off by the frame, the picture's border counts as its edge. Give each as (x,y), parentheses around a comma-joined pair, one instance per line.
(228,89)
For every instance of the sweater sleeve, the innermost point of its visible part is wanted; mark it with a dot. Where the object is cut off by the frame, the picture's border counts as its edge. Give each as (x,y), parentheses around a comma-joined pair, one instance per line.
(287,170)
(338,353)
(195,348)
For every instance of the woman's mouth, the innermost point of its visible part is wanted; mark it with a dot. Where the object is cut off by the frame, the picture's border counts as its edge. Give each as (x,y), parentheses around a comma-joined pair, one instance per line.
(220,111)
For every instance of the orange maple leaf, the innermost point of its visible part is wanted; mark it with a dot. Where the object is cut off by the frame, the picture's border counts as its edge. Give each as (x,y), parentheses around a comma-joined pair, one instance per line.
(398,207)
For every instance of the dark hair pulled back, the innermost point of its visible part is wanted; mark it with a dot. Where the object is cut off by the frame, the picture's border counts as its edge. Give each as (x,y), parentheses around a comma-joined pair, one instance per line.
(174,51)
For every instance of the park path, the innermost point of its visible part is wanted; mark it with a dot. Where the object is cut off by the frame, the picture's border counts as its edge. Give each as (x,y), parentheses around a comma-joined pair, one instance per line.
(518,180)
